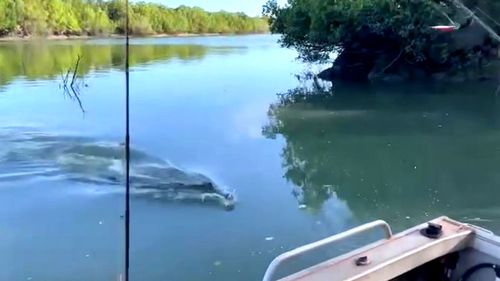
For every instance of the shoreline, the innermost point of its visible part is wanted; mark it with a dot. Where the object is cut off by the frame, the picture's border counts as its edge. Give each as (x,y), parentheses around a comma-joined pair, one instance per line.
(118,36)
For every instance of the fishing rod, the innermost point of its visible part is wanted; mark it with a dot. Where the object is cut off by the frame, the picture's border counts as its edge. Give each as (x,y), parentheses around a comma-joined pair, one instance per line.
(127,144)
(492,32)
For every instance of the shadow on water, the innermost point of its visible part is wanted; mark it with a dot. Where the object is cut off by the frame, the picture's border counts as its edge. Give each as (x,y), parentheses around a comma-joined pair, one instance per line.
(48,60)
(393,152)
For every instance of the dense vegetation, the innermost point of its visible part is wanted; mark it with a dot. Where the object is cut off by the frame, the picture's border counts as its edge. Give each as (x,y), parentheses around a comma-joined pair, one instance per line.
(371,32)
(101,17)
(316,28)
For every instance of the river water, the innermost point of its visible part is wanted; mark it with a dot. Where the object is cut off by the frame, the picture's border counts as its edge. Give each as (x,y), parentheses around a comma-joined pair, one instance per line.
(305,163)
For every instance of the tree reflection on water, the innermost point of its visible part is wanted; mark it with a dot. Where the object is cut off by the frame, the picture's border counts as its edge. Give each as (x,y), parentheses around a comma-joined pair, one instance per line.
(48,60)
(392,151)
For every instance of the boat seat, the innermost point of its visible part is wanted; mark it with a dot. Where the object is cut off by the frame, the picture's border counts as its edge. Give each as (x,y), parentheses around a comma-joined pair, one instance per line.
(392,257)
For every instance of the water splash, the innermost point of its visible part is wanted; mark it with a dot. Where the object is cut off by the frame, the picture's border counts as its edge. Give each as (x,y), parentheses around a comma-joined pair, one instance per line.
(28,154)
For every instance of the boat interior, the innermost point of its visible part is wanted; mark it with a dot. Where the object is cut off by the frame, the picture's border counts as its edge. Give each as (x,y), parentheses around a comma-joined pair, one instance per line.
(442,249)
(469,264)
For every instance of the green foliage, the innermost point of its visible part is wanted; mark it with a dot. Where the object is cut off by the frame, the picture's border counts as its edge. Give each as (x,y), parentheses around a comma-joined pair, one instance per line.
(94,21)
(34,18)
(10,11)
(316,28)
(100,17)
(61,18)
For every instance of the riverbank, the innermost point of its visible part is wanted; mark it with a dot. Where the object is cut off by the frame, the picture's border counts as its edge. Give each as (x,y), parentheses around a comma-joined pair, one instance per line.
(118,36)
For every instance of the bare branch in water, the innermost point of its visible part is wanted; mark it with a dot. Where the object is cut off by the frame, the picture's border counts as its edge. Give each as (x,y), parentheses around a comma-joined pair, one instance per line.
(76,70)
(72,90)
(66,78)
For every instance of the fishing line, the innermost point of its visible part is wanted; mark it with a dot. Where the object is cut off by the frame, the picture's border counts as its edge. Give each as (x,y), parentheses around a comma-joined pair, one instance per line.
(127,144)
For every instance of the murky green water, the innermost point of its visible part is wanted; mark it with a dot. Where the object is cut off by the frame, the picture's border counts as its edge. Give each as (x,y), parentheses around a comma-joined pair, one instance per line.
(304,165)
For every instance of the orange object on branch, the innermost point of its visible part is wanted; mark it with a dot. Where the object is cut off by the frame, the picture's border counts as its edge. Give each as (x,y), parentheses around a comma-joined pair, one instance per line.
(445,28)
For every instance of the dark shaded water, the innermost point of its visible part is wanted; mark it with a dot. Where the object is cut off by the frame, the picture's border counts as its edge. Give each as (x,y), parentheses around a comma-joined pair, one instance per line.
(304,166)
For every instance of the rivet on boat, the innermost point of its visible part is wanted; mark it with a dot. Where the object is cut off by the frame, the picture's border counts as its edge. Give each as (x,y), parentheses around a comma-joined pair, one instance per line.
(362,261)
(433,230)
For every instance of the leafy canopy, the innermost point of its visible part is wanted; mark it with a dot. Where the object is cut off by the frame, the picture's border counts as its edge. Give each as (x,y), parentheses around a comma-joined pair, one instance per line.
(96,17)
(316,28)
